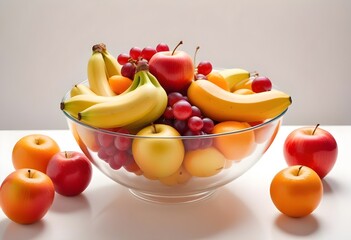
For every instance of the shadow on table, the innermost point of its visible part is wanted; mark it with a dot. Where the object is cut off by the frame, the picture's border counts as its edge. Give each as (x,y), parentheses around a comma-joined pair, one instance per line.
(68,212)
(13,231)
(124,216)
(330,185)
(115,213)
(297,226)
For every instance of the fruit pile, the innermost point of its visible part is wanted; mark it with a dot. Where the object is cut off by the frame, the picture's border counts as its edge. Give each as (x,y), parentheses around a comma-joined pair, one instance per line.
(156,92)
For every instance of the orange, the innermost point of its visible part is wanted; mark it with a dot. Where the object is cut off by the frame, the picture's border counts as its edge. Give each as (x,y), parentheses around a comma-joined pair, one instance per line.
(88,138)
(296,191)
(119,83)
(218,79)
(237,145)
(34,151)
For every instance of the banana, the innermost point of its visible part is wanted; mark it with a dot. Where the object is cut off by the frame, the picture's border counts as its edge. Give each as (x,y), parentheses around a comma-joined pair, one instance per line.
(112,66)
(80,102)
(243,84)
(97,76)
(79,89)
(161,99)
(234,76)
(130,109)
(221,105)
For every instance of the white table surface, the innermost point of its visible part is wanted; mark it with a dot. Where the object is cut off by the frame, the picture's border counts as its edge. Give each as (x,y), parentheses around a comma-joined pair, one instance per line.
(240,210)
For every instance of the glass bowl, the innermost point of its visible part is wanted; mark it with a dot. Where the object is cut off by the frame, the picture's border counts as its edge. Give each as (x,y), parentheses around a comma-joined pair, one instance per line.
(208,162)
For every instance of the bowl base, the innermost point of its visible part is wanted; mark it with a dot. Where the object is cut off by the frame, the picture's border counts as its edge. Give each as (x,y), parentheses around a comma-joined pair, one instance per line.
(169,199)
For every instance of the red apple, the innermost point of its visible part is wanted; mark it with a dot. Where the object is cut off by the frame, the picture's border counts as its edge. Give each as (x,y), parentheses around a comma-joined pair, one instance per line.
(313,147)
(70,172)
(173,69)
(26,195)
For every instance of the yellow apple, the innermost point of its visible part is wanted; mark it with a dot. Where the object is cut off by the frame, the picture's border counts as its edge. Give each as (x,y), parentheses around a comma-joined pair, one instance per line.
(157,150)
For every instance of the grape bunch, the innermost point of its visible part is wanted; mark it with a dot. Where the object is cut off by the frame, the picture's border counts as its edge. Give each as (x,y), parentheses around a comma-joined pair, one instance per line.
(129,61)
(115,150)
(188,120)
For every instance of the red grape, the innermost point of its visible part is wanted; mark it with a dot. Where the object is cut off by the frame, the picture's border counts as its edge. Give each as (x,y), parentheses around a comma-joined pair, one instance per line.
(103,155)
(180,125)
(195,123)
(147,53)
(123,58)
(135,53)
(174,97)
(162,47)
(104,139)
(111,150)
(204,67)
(182,110)
(196,111)
(118,160)
(128,70)
(208,125)
(261,84)
(168,113)
(193,143)
(206,142)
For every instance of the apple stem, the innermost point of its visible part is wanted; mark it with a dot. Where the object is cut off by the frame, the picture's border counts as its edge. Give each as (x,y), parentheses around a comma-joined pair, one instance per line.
(29,173)
(298,172)
(180,43)
(154,127)
(66,154)
(196,50)
(315,129)
(37,141)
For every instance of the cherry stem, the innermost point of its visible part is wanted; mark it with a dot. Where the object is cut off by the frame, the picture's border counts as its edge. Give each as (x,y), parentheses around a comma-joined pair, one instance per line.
(315,129)
(298,172)
(180,43)
(196,50)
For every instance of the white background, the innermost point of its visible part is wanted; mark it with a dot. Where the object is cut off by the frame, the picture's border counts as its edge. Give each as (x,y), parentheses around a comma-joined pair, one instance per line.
(302,45)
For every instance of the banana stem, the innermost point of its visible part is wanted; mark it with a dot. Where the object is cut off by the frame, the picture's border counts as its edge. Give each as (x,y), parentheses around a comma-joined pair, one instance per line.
(142,66)
(97,48)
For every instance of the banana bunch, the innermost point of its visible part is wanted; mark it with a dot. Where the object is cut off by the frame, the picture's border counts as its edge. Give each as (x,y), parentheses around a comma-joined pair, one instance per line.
(222,105)
(142,103)
(101,66)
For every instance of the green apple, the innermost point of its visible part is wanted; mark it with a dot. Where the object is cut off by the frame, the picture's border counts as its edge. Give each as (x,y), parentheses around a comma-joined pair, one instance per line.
(158,151)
